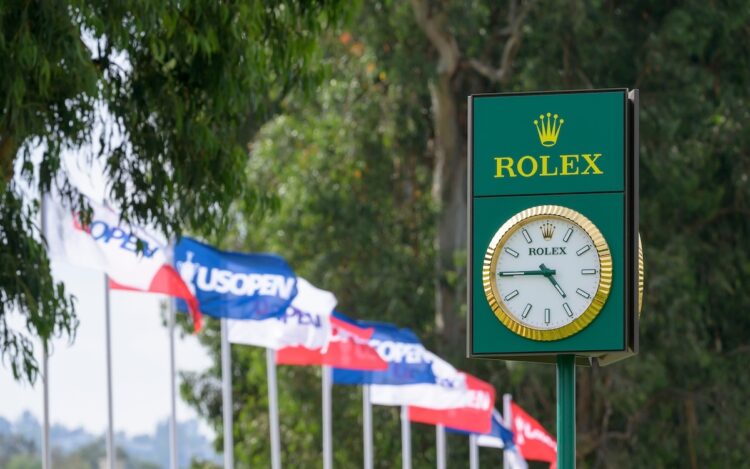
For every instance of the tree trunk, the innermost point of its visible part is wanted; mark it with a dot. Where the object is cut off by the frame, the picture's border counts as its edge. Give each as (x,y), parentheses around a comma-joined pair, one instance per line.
(448,177)
(449,184)
(449,187)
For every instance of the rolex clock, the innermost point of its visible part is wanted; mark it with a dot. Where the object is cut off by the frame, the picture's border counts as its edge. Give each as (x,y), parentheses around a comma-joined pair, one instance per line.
(547,273)
(553,266)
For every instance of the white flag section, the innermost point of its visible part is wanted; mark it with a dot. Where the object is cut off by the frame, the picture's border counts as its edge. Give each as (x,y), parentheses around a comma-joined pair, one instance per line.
(306,323)
(108,245)
(105,244)
(447,391)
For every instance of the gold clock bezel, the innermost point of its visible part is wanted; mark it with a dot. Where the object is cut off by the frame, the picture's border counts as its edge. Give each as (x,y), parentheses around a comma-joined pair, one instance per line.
(641,275)
(490,267)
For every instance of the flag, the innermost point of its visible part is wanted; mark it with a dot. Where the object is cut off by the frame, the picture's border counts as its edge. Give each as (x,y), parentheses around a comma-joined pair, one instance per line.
(406,358)
(445,388)
(108,245)
(467,408)
(411,375)
(306,322)
(235,285)
(532,439)
(499,437)
(347,348)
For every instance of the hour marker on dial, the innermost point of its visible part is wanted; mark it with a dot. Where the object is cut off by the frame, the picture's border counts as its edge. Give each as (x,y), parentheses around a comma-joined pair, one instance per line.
(583,250)
(526,310)
(511,295)
(567,234)
(583,293)
(567,309)
(526,235)
(588,271)
(511,252)
(546,315)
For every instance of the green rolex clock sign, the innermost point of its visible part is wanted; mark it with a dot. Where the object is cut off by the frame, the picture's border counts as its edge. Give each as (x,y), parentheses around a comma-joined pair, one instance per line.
(553,266)
(554,271)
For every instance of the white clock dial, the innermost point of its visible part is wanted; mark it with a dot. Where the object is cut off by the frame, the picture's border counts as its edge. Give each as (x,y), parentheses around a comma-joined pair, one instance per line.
(548,272)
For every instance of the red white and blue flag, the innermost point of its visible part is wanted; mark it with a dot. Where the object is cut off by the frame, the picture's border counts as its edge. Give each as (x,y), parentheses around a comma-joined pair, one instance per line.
(305,323)
(134,258)
(407,360)
(414,376)
(235,285)
(348,347)
(468,408)
(499,437)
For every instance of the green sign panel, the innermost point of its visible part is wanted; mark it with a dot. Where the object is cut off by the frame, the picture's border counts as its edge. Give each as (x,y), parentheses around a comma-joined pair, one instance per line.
(553,263)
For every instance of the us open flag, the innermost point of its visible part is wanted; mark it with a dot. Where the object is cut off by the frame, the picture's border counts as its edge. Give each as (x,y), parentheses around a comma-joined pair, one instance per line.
(108,245)
(468,408)
(305,323)
(402,352)
(445,388)
(348,347)
(235,285)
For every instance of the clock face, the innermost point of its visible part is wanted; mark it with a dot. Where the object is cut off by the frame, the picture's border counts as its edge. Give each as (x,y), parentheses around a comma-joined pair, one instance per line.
(547,273)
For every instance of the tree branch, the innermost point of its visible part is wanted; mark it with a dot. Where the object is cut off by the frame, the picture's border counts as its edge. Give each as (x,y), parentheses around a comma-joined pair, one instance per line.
(516,17)
(7,156)
(433,24)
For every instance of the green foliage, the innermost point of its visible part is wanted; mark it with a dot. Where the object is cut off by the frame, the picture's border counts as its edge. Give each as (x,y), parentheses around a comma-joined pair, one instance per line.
(28,287)
(355,218)
(12,447)
(663,406)
(166,94)
(24,461)
(17,452)
(352,171)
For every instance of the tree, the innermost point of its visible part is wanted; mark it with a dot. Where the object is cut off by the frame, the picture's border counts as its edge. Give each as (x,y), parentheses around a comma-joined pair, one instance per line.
(648,411)
(166,94)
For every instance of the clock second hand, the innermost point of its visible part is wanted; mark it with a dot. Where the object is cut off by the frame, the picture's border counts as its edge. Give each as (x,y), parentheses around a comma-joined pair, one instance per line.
(549,274)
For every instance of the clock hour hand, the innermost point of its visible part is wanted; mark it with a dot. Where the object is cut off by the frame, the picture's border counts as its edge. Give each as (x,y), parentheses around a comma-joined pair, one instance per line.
(549,274)
(514,273)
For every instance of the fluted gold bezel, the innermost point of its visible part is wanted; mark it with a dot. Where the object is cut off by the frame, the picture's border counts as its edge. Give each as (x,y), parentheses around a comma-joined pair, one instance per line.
(641,275)
(489,272)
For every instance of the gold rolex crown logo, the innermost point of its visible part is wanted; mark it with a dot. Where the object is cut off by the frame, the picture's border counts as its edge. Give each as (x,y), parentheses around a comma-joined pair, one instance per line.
(547,230)
(548,128)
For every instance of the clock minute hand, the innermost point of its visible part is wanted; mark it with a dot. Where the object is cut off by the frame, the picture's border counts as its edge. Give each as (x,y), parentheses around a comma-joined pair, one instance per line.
(549,274)
(514,273)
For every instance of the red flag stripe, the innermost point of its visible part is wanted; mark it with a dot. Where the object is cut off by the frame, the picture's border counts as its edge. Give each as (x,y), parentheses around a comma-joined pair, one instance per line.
(169,282)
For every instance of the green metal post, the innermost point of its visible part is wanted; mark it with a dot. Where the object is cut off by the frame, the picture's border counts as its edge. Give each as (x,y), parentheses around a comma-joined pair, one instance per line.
(566,412)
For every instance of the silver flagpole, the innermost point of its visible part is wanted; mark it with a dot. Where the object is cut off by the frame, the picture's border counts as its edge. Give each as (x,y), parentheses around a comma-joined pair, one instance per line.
(367,426)
(405,438)
(507,418)
(273,408)
(473,452)
(226,379)
(110,419)
(440,442)
(173,463)
(326,386)
(46,460)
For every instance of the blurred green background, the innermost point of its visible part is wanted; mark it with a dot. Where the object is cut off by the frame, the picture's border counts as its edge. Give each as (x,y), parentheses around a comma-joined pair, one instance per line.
(359,180)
